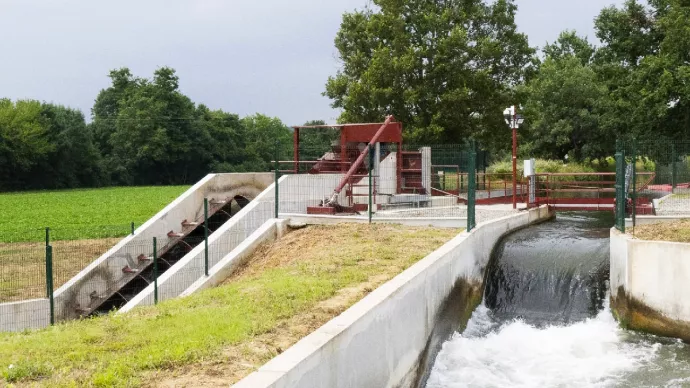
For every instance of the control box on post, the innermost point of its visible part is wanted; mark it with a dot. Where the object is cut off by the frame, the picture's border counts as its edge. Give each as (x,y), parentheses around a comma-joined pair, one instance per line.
(530,172)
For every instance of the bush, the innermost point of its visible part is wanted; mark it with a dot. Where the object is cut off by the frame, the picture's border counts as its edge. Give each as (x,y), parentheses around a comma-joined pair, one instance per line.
(543,166)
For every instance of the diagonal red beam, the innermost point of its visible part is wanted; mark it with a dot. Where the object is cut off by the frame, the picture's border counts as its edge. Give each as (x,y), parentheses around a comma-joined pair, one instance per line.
(355,166)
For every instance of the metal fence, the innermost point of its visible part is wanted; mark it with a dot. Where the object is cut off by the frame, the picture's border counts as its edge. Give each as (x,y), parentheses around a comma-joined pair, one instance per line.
(72,271)
(391,182)
(57,274)
(653,178)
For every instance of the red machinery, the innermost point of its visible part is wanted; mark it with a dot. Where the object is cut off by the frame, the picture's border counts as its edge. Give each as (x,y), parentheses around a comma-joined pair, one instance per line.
(349,154)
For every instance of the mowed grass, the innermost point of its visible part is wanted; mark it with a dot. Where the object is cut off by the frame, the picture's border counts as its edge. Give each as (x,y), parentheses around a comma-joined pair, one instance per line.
(677,231)
(216,337)
(80,214)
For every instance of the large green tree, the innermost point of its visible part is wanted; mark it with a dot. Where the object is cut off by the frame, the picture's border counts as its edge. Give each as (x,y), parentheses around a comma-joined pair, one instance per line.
(74,160)
(148,130)
(23,141)
(645,63)
(45,146)
(263,134)
(564,103)
(446,69)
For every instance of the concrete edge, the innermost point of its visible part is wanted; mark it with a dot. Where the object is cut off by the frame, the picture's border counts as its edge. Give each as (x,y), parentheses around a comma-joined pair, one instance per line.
(438,222)
(636,303)
(297,358)
(268,232)
(25,314)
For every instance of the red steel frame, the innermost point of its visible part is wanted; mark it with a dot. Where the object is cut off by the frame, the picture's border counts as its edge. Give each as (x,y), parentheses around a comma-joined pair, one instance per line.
(355,133)
(388,132)
(553,186)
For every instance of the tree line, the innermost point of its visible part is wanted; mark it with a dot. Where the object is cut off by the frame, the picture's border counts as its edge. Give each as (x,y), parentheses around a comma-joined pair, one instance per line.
(448,68)
(445,68)
(143,132)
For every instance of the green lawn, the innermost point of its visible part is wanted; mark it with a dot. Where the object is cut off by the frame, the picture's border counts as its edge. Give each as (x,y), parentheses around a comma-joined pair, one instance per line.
(80,214)
(220,335)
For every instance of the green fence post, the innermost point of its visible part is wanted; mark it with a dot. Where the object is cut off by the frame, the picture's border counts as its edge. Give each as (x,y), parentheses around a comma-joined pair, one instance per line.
(371,191)
(155,271)
(471,187)
(634,183)
(206,236)
(49,282)
(49,277)
(620,191)
(674,170)
(276,178)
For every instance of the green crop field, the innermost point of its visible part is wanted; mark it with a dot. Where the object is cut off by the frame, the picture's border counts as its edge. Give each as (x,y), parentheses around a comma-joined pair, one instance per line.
(80,214)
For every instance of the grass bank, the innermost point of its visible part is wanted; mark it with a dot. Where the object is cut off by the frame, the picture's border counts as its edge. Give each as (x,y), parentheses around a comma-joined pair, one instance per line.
(678,231)
(216,337)
(80,214)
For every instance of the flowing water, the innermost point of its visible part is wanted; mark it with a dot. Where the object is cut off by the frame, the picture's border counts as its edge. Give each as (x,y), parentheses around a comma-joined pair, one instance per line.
(545,320)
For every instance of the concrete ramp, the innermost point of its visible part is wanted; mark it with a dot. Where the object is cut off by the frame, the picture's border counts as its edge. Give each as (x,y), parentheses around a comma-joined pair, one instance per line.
(102,282)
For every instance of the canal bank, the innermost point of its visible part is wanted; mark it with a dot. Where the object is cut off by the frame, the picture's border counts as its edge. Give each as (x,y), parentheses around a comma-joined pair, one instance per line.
(649,285)
(545,319)
(390,338)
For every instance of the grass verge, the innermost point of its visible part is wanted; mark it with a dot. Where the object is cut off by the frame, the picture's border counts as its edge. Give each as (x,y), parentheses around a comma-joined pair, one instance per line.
(678,231)
(80,214)
(218,336)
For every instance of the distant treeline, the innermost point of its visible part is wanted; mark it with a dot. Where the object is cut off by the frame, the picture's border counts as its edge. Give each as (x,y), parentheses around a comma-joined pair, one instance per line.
(143,132)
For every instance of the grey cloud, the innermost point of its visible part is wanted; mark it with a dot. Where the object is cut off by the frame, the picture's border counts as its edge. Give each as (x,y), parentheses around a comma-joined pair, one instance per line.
(268,56)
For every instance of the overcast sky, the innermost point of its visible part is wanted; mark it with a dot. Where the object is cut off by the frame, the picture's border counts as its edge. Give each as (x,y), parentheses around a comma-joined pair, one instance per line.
(243,56)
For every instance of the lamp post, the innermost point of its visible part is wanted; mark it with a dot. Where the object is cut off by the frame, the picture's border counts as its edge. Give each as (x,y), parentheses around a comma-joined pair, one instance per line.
(514,120)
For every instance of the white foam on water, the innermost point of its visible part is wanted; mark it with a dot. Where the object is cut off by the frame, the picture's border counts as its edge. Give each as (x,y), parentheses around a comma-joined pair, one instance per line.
(592,353)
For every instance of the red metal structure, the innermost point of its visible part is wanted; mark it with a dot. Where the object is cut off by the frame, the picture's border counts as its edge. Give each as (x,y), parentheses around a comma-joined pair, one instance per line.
(586,191)
(348,157)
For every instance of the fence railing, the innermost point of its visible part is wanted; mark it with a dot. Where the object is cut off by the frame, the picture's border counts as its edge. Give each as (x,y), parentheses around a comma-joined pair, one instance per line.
(411,182)
(79,271)
(653,178)
(99,273)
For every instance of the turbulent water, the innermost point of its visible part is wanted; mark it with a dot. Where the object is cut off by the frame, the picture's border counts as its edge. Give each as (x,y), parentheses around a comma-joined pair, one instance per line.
(545,320)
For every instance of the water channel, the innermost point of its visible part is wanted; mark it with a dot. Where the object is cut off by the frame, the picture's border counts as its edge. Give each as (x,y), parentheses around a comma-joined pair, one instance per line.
(545,320)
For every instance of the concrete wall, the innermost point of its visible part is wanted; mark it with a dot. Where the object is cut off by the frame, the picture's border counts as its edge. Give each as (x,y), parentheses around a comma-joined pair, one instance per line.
(27,314)
(105,273)
(387,182)
(426,168)
(269,231)
(296,193)
(363,348)
(649,285)
(437,222)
